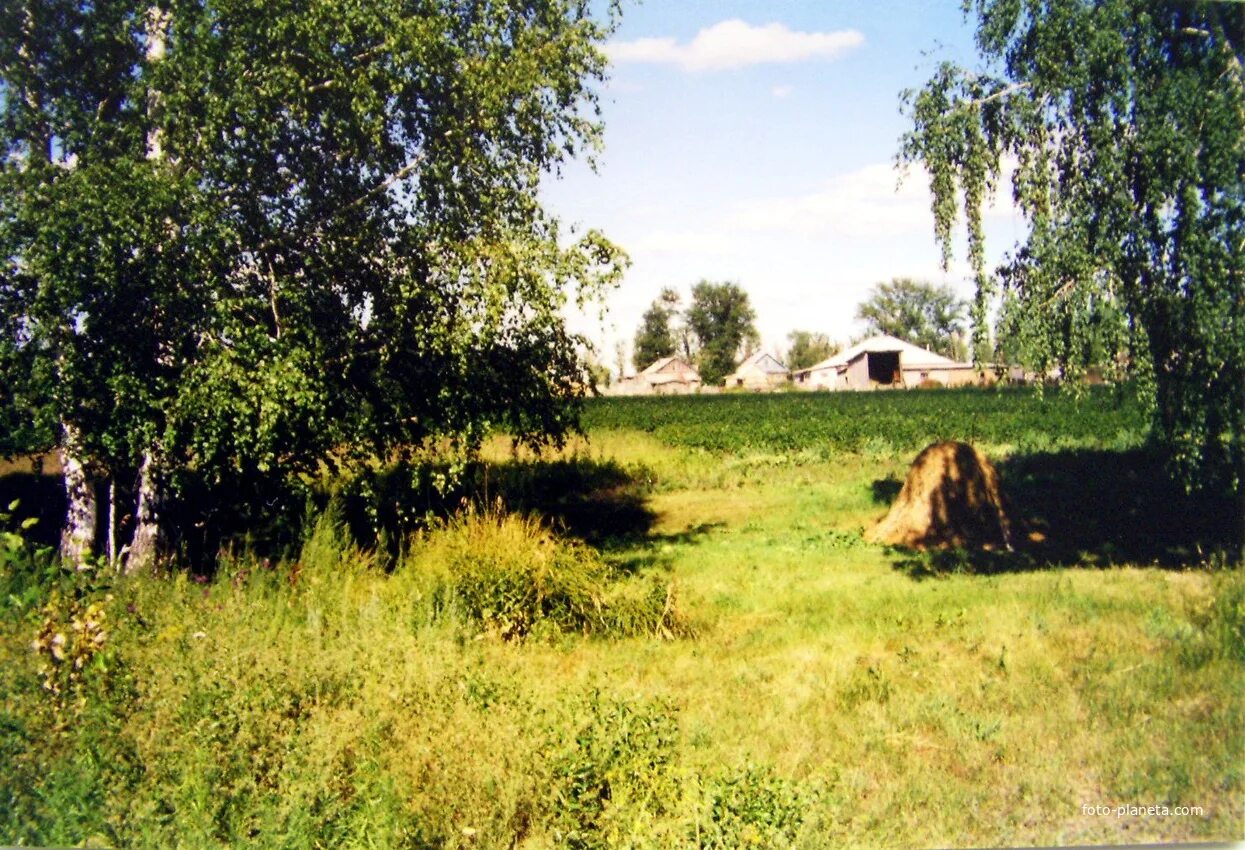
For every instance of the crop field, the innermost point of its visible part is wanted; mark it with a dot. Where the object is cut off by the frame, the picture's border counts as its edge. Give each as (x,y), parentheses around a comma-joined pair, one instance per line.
(672,634)
(1104,417)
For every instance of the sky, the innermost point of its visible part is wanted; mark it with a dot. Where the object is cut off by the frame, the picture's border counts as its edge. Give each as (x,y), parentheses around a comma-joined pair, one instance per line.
(754,142)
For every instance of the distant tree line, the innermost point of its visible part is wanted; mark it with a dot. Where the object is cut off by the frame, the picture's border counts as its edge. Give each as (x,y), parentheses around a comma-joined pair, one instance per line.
(713,332)
(718,327)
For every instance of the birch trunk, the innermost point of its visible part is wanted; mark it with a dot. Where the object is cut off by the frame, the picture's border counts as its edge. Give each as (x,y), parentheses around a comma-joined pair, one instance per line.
(112,522)
(148,543)
(78,535)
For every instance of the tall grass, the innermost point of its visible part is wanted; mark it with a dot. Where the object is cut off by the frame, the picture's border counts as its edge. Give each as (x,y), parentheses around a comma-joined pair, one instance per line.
(496,684)
(512,576)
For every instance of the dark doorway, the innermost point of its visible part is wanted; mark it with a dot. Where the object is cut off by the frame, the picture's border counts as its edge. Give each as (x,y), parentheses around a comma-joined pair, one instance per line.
(883,367)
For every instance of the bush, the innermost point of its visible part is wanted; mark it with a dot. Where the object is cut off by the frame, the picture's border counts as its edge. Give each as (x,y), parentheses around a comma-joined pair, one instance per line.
(512,577)
(753,807)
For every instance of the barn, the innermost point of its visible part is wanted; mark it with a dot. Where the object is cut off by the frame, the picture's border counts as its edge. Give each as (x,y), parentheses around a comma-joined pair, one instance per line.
(885,362)
(759,371)
(667,376)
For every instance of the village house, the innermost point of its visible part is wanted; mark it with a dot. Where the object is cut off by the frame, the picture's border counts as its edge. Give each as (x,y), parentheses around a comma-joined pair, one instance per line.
(759,371)
(886,361)
(667,376)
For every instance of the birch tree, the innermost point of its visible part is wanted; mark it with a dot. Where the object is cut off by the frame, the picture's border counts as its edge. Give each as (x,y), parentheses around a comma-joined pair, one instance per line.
(276,234)
(1125,123)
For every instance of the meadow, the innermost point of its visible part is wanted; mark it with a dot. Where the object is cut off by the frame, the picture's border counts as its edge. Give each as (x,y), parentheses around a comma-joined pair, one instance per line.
(672,633)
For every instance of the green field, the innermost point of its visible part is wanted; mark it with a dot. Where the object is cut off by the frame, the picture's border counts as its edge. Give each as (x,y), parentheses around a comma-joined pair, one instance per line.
(690,644)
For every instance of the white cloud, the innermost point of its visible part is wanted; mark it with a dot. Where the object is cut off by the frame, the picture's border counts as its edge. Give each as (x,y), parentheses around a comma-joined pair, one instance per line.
(869,201)
(782,92)
(684,242)
(736,44)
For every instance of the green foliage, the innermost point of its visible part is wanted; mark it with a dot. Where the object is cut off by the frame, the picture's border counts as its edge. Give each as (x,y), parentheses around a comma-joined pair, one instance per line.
(829,423)
(1227,621)
(31,576)
(808,349)
(1126,122)
(1215,629)
(753,807)
(723,323)
(268,244)
(655,338)
(917,312)
(321,701)
(614,774)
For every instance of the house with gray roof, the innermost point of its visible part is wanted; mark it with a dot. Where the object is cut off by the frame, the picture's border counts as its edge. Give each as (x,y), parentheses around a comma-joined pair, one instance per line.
(759,371)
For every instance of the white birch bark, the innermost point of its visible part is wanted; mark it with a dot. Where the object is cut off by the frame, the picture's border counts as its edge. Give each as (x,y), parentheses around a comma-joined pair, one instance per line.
(148,542)
(78,534)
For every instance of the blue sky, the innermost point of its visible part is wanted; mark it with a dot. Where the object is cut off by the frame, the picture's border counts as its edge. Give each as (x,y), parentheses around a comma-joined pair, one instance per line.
(754,142)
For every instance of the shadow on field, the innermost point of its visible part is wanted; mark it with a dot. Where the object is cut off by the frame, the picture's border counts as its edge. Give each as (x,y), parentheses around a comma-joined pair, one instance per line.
(885,490)
(656,553)
(597,501)
(1092,508)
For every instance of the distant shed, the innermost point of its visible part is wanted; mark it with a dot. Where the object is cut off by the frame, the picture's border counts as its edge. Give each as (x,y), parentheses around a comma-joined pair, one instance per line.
(667,376)
(885,361)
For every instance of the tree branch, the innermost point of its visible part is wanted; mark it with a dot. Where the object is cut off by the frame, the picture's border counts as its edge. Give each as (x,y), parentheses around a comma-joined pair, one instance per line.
(272,298)
(1007,91)
(401,174)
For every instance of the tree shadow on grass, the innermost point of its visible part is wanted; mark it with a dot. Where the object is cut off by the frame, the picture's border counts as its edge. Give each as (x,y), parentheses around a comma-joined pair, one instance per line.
(598,501)
(630,555)
(1093,508)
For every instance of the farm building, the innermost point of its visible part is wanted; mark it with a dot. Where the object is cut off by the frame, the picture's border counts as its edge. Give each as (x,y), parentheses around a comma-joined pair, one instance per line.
(884,361)
(668,376)
(759,371)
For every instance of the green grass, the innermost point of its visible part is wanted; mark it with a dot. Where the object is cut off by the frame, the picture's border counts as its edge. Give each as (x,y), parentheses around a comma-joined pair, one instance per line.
(819,691)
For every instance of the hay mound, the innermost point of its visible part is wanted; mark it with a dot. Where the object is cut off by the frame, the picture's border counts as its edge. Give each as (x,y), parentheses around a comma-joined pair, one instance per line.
(950,498)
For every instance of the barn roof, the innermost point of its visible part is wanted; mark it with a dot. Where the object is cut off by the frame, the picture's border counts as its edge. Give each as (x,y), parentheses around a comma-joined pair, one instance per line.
(762,362)
(911,356)
(661,365)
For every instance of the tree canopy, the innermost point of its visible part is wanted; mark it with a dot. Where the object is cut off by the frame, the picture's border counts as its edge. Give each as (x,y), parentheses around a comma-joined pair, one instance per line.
(655,337)
(244,238)
(1124,121)
(808,349)
(921,313)
(724,325)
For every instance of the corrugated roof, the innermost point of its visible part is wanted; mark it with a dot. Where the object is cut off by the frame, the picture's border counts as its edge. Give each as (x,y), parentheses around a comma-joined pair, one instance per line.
(910,356)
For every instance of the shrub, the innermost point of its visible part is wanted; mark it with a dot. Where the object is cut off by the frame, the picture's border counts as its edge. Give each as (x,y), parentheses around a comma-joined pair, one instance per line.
(511,576)
(753,807)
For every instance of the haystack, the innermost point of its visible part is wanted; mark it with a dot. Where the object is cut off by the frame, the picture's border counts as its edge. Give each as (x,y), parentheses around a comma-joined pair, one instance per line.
(950,498)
